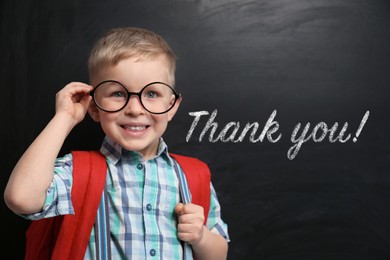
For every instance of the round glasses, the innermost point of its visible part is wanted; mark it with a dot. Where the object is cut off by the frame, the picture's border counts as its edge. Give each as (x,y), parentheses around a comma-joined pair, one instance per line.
(155,97)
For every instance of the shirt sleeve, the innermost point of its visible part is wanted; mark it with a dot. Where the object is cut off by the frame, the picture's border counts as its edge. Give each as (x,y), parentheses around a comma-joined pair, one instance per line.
(58,195)
(214,221)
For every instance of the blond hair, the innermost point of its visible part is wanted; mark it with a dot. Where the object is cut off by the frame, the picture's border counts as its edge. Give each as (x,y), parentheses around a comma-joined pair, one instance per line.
(129,42)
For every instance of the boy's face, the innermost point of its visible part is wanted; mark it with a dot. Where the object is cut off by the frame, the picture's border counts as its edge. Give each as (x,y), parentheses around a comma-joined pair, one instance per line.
(133,127)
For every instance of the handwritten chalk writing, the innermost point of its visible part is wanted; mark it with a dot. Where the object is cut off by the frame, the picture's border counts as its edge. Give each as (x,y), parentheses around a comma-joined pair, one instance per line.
(299,135)
(230,130)
(320,127)
(362,123)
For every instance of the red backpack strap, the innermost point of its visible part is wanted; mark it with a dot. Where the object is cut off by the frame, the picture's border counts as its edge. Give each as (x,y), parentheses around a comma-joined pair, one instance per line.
(87,190)
(54,238)
(41,237)
(198,178)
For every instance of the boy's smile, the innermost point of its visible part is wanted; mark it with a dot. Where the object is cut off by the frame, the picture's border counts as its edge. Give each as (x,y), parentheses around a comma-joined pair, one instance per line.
(133,127)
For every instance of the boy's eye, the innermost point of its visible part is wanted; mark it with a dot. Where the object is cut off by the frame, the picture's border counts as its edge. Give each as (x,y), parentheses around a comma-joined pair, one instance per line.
(151,94)
(118,94)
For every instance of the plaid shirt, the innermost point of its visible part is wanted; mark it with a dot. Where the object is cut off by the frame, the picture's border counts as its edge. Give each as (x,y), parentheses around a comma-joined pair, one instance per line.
(142,196)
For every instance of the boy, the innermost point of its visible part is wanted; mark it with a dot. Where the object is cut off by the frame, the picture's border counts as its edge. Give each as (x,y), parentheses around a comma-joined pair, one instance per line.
(132,71)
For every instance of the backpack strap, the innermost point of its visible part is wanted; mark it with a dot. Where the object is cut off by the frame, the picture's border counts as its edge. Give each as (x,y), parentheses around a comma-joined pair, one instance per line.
(87,191)
(66,237)
(198,178)
(41,237)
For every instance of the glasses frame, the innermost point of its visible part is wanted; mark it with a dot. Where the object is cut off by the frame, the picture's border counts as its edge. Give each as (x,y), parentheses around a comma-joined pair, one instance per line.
(129,94)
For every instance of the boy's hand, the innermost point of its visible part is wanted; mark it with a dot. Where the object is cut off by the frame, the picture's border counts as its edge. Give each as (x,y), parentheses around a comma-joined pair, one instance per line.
(74,100)
(190,222)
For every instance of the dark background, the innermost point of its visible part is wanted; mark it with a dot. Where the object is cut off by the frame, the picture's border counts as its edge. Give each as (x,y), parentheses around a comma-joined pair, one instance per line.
(313,61)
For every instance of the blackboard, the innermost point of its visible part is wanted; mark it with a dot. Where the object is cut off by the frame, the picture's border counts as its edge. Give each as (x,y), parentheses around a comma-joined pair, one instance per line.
(271,66)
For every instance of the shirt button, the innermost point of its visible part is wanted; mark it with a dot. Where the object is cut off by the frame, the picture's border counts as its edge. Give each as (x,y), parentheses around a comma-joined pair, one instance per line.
(149,207)
(140,166)
(152,252)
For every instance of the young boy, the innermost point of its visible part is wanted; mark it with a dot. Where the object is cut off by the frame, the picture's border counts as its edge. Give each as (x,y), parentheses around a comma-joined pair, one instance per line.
(131,95)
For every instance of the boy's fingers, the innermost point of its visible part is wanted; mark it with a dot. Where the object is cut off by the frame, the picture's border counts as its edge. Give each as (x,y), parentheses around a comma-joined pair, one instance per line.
(187,208)
(179,209)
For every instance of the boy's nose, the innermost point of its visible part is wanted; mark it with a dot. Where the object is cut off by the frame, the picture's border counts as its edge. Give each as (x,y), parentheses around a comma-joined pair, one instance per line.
(134,106)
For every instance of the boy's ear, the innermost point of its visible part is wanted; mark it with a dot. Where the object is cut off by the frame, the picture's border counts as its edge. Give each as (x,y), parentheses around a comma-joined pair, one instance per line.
(174,109)
(93,111)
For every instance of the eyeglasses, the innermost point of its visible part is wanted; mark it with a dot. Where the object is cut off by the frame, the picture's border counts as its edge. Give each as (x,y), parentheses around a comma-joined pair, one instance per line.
(113,96)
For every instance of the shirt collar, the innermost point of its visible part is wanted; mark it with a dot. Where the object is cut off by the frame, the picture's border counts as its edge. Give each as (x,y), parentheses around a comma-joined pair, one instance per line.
(114,152)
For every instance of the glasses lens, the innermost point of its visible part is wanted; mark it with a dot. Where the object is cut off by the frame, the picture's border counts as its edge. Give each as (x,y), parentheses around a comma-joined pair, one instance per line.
(158,98)
(110,96)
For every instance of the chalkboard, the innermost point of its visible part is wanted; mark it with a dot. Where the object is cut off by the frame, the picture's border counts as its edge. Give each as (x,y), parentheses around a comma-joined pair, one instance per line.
(287,101)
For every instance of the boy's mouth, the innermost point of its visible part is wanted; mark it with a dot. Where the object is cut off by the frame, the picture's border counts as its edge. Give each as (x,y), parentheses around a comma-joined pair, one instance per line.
(135,127)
